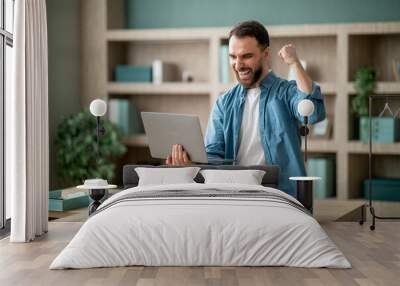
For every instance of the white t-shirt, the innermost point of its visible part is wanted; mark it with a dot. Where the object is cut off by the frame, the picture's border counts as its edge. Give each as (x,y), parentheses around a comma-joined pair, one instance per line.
(251,151)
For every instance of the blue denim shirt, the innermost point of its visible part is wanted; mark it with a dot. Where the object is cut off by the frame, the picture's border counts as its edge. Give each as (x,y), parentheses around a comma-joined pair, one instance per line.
(278,122)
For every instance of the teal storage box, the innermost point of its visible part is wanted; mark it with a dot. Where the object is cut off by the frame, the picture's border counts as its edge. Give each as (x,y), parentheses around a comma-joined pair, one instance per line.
(325,169)
(383,189)
(384,129)
(127,73)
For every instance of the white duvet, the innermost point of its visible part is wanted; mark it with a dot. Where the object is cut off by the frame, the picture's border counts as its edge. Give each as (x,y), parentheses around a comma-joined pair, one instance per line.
(200,231)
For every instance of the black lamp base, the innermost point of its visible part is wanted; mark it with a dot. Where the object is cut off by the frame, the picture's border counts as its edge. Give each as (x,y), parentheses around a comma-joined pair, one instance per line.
(304,130)
(96,195)
(305,194)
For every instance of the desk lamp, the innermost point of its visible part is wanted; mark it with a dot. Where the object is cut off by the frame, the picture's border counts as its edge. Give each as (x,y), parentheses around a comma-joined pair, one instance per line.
(98,108)
(306,109)
(305,184)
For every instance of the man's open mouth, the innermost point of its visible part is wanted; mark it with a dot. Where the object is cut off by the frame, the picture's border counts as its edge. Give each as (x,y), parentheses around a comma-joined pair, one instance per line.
(245,74)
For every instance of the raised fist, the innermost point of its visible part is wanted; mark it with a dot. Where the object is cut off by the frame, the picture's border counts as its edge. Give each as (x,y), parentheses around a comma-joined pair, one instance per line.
(288,54)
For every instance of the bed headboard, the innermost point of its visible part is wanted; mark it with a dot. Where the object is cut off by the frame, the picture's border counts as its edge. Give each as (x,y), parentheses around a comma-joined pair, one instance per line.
(271,178)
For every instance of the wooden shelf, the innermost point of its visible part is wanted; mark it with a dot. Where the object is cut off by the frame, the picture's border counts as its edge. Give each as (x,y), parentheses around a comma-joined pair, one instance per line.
(319,64)
(384,46)
(320,146)
(165,88)
(159,35)
(180,34)
(136,141)
(382,87)
(305,30)
(356,147)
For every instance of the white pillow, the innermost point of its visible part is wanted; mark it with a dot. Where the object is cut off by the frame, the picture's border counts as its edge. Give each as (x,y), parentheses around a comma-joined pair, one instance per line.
(163,176)
(249,177)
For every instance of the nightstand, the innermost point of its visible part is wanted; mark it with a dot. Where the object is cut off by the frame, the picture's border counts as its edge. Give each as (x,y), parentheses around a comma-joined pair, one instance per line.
(97,189)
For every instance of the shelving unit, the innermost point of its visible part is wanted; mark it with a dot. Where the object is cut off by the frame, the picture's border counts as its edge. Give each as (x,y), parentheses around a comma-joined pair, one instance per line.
(165,88)
(333,53)
(355,147)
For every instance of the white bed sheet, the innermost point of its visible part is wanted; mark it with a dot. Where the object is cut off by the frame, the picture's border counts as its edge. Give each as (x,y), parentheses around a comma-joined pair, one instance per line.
(200,231)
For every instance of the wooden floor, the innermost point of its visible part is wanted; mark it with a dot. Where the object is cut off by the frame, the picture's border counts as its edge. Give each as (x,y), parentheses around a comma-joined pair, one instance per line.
(375,257)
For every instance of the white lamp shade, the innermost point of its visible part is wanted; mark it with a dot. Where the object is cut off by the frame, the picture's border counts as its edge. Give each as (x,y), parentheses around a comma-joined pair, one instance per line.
(98,107)
(305,107)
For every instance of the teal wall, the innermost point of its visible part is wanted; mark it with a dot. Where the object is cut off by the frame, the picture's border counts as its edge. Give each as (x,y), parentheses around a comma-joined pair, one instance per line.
(208,13)
(64,69)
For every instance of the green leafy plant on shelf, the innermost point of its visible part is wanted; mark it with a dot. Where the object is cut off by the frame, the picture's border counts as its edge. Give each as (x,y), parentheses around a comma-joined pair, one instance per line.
(365,79)
(76,145)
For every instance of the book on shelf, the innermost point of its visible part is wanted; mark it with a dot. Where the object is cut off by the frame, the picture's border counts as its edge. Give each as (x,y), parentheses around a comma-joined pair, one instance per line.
(224,64)
(67,193)
(164,72)
(124,114)
(396,69)
(325,169)
(225,70)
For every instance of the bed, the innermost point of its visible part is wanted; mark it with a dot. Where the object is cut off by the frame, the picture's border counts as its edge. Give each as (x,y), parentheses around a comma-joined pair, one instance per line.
(198,224)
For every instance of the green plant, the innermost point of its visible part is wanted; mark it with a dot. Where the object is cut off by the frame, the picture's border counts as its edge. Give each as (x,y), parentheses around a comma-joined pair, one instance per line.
(364,84)
(76,144)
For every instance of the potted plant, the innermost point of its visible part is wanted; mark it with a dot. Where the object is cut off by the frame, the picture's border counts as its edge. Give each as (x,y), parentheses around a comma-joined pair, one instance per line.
(76,144)
(365,79)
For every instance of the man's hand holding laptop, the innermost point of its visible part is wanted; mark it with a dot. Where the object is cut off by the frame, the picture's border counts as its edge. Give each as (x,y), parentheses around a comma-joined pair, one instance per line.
(178,156)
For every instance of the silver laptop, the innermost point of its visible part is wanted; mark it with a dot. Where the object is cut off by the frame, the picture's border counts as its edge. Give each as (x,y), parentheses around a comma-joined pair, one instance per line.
(165,129)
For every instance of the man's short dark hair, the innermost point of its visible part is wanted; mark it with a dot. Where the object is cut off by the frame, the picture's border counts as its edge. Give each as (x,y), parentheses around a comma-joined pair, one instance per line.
(251,29)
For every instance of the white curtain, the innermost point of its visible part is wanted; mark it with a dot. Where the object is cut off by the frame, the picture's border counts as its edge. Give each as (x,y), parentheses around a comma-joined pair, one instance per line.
(27,141)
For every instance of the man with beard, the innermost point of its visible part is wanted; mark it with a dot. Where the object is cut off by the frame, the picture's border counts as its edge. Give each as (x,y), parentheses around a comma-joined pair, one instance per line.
(256,122)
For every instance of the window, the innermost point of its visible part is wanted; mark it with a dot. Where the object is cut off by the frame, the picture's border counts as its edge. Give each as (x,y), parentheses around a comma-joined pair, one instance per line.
(6,63)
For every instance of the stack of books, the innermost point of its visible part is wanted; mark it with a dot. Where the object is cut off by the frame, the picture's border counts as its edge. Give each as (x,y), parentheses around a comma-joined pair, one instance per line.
(67,199)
